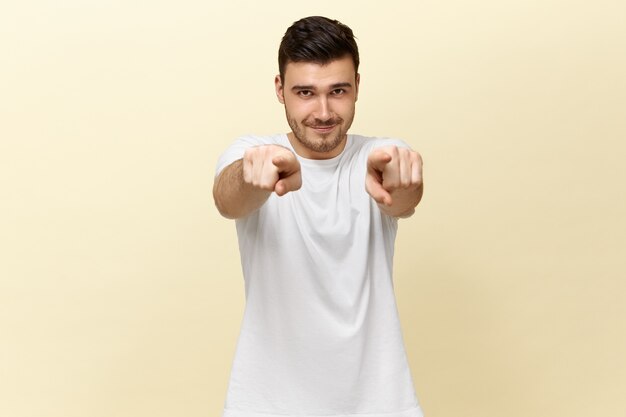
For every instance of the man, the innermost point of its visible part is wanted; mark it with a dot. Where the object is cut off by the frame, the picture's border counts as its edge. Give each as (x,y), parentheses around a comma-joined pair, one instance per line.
(317,212)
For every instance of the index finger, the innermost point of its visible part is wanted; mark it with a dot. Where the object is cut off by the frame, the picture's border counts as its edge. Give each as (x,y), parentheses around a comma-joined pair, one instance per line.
(378,159)
(284,162)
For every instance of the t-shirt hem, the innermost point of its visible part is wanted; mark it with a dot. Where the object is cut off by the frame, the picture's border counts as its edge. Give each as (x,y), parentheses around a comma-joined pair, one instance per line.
(412,412)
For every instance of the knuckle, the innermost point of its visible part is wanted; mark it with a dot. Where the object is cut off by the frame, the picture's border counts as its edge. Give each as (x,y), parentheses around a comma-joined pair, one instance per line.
(391,185)
(265,184)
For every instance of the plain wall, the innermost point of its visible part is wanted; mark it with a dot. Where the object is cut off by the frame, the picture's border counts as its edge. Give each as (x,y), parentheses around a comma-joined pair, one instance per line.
(120,285)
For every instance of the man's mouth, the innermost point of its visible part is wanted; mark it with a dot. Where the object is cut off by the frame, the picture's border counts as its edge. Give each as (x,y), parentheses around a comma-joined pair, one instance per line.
(323,128)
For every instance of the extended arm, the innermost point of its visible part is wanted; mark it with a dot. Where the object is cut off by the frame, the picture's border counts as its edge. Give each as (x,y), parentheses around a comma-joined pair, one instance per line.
(243,186)
(394,180)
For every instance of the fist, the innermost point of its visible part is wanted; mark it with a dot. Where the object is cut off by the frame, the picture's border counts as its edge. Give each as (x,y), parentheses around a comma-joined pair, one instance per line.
(272,168)
(393,171)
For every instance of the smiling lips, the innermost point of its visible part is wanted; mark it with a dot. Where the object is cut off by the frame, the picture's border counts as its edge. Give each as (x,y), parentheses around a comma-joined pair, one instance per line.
(323,129)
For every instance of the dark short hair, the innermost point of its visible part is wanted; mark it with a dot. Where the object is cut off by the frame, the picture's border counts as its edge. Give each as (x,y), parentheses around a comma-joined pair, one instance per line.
(317,39)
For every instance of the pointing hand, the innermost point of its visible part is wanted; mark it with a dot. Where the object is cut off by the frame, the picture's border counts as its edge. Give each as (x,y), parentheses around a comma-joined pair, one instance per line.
(272,168)
(394,176)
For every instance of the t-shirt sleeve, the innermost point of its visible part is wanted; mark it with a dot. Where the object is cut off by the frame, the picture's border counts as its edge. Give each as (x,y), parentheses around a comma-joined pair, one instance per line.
(236,150)
(377,143)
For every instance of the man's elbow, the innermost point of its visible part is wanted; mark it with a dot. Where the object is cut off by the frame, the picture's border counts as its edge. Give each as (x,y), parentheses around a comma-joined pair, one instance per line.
(223,208)
(226,210)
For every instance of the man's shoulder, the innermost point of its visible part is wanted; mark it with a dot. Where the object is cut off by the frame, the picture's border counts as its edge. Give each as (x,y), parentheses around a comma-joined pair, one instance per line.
(255,140)
(371,142)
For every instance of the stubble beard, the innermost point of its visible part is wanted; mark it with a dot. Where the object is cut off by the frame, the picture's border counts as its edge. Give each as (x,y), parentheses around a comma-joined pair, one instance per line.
(326,143)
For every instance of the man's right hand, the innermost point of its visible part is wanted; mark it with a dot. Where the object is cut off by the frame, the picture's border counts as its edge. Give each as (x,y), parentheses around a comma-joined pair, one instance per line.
(272,168)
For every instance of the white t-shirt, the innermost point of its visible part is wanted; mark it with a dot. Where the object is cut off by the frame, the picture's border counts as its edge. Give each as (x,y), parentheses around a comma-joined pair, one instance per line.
(320,334)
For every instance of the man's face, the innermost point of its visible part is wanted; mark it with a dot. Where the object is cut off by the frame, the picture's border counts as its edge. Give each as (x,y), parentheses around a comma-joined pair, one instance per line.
(319,103)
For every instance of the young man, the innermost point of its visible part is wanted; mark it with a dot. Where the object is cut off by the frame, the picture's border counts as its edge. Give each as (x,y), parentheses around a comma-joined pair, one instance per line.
(316,214)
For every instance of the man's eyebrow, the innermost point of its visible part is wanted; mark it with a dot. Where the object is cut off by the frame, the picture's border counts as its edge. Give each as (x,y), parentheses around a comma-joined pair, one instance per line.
(340,85)
(311,87)
(303,87)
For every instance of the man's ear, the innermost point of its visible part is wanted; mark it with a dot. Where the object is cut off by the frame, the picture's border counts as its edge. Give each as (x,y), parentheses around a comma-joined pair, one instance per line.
(278,84)
(357,81)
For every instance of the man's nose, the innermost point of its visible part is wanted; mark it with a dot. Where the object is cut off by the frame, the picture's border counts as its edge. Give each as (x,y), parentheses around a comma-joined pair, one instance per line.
(323,109)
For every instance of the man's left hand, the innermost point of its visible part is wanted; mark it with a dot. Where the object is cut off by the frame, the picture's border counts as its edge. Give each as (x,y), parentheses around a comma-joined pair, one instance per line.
(394,179)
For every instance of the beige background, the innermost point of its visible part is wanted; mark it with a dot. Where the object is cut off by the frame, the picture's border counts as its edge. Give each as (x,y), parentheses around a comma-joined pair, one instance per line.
(120,285)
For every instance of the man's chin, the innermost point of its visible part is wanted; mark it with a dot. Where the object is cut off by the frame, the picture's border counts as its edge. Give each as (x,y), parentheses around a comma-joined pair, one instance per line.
(324,144)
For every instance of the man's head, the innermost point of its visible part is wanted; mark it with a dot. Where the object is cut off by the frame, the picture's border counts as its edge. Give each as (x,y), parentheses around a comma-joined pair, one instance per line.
(318,84)
(319,40)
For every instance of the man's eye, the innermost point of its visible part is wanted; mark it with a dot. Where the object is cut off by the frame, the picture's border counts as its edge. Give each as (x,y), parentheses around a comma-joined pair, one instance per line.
(338,92)
(305,93)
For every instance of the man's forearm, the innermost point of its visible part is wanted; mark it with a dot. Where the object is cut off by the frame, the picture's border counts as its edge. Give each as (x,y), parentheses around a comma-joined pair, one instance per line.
(234,198)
